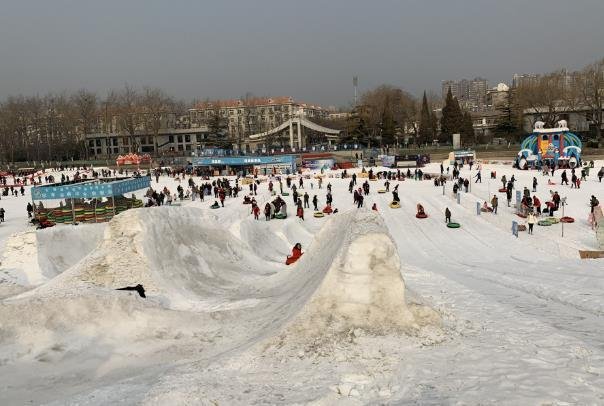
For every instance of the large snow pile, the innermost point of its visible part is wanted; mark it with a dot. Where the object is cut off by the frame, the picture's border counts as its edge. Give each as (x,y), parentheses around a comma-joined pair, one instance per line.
(205,285)
(362,287)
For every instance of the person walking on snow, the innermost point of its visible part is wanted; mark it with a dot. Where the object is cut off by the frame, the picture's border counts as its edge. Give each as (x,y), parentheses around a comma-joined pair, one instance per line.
(478,177)
(2,211)
(256,211)
(30,209)
(494,203)
(534,184)
(531,220)
(447,215)
(306,197)
(315,202)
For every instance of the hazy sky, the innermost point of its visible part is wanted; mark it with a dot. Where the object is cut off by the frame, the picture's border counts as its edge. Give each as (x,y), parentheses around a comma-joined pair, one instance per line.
(306,49)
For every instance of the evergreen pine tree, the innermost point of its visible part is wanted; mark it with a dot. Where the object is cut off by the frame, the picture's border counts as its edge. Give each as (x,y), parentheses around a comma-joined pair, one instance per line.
(507,123)
(426,129)
(467,129)
(452,119)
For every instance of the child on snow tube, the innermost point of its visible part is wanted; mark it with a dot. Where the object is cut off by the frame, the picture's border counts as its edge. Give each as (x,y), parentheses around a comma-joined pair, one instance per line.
(296,254)
(420,212)
(215,205)
(328,209)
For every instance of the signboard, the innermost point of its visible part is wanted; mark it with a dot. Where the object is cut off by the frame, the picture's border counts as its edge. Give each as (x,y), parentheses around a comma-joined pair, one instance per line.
(318,164)
(388,160)
(89,190)
(245,161)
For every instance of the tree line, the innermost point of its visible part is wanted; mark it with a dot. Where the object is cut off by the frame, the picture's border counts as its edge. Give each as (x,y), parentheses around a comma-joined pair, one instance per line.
(54,127)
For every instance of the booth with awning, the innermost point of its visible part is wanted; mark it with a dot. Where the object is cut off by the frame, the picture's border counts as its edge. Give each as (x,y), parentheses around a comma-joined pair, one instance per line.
(95,190)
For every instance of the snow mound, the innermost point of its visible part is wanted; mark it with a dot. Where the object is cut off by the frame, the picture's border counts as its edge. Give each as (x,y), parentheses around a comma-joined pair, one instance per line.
(180,259)
(33,257)
(358,281)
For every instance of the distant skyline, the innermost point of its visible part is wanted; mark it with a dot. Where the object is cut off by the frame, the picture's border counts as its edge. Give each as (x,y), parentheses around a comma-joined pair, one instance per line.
(308,50)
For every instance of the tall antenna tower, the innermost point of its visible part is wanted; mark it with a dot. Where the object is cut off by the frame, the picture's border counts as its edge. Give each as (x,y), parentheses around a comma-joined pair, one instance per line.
(355,83)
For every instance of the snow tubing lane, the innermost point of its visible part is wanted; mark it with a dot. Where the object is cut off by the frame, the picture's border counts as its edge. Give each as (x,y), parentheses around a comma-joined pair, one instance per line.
(567,219)
(453,225)
(423,216)
(395,205)
(319,214)
(544,223)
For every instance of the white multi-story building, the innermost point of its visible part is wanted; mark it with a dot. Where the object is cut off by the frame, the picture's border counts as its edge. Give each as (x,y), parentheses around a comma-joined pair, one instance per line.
(244,117)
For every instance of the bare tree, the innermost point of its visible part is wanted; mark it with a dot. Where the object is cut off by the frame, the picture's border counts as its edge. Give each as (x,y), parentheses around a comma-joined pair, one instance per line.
(548,97)
(127,102)
(591,90)
(156,105)
(86,107)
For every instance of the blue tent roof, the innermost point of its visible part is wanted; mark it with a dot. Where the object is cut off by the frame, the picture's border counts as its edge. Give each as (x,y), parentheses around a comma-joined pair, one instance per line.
(90,190)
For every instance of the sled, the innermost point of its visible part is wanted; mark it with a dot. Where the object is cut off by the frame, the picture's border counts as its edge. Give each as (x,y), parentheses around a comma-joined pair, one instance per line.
(453,225)
(318,214)
(284,194)
(382,191)
(395,205)
(372,179)
(544,223)
(214,207)
(553,220)
(280,216)
(291,260)
(423,216)
(488,209)
(567,219)
(503,190)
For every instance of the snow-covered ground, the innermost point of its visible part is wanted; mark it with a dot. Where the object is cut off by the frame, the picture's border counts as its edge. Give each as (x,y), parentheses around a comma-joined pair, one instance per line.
(381,308)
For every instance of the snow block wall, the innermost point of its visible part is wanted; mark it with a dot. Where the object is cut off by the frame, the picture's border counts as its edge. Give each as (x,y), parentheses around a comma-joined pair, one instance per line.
(361,287)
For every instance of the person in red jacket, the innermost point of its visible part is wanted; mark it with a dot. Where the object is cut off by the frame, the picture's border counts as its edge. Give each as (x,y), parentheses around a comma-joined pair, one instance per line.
(300,212)
(374,207)
(256,211)
(537,204)
(296,254)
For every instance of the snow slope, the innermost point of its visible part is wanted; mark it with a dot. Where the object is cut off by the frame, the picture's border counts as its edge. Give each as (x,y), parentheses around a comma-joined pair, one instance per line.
(518,320)
(201,282)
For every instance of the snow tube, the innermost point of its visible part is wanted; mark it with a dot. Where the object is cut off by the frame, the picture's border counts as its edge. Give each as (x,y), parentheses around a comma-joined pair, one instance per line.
(423,216)
(327,210)
(553,220)
(319,214)
(382,191)
(488,209)
(503,190)
(453,225)
(280,216)
(395,205)
(544,223)
(521,227)
(284,194)
(214,207)
(567,219)
(372,179)
(291,260)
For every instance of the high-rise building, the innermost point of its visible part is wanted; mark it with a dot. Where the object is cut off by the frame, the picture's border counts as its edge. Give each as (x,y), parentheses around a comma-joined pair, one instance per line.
(478,92)
(471,94)
(524,79)
(449,84)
